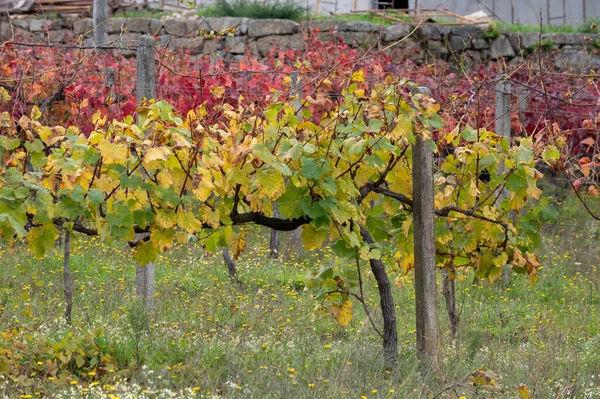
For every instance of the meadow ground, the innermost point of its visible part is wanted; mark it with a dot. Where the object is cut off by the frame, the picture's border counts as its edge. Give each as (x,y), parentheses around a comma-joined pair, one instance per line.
(211,337)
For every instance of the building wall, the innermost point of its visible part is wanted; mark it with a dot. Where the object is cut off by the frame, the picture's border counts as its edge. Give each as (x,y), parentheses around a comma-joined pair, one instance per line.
(525,11)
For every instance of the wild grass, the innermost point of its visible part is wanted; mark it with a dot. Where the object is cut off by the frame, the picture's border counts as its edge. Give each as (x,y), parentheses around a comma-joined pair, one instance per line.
(211,337)
(589,26)
(362,17)
(140,14)
(255,9)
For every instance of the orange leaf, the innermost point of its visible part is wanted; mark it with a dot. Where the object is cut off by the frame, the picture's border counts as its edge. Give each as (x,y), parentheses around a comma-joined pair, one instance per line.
(584,160)
(589,141)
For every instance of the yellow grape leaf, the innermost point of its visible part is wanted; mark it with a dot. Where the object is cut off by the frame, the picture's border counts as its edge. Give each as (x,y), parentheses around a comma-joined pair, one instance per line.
(4,96)
(342,313)
(343,212)
(212,218)
(180,141)
(494,273)
(45,133)
(443,236)
(165,179)
(240,245)
(49,183)
(187,221)
(473,190)
(182,237)
(164,219)
(41,239)
(533,191)
(35,113)
(358,76)
(532,259)
(145,252)
(487,380)
(203,191)
(533,278)
(112,152)
(390,206)
(84,178)
(179,178)
(156,154)
(95,137)
(363,176)
(518,258)
(501,260)
(162,239)
(217,91)
(402,129)
(407,225)
(105,183)
(406,261)
(313,238)
(363,252)
(270,183)
(202,185)
(524,392)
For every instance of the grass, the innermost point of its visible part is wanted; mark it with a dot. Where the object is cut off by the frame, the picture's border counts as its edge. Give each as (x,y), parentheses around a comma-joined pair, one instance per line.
(140,14)
(211,337)
(362,17)
(590,26)
(255,9)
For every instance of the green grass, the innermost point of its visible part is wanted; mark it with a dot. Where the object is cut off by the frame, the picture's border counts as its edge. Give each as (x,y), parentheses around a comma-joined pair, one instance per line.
(590,26)
(140,14)
(360,17)
(213,337)
(255,9)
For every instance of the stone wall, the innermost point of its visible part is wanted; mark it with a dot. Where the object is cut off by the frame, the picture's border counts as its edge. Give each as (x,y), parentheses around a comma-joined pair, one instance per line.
(468,44)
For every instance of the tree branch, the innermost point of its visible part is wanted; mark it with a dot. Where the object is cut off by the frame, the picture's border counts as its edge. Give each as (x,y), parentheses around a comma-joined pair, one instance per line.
(445,211)
(273,223)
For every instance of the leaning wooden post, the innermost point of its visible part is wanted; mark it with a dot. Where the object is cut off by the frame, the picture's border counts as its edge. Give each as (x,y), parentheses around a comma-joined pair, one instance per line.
(424,245)
(100,16)
(503,128)
(145,89)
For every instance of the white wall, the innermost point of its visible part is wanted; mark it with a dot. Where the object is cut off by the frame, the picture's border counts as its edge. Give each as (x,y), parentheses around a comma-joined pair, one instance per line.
(525,11)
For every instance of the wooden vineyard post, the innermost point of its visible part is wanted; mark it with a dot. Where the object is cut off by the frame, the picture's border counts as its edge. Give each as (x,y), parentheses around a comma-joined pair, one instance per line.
(424,246)
(145,90)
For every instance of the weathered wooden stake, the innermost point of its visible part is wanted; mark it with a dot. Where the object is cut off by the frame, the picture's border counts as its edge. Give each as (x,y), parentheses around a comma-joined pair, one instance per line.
(145,89)
(146,79)
(100,17)
(293,239)
(503,129)
(424,246)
